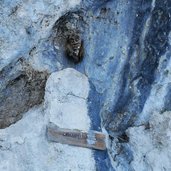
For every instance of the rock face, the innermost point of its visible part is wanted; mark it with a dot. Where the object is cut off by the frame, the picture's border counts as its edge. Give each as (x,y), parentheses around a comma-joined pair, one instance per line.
(21,87)
(151,146)
(148,147)
(67,36)
(65,104)
(67,107)
(24,146)
(127,49)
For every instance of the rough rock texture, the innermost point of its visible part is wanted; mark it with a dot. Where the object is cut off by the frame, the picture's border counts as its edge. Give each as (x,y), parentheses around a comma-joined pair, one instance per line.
(24,146)
(67,36)
(127,49)
(67,107)
(25,27)
(21,87)
(151,146)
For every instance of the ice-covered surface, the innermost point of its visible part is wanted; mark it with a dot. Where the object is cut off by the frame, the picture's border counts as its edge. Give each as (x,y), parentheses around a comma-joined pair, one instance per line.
(24,145)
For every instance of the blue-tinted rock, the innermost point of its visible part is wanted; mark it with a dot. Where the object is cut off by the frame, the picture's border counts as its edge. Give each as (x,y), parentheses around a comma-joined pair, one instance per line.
(126,58)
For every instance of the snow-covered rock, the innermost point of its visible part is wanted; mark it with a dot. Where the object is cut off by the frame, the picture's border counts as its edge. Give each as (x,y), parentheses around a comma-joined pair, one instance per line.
(151,145)
(24,145)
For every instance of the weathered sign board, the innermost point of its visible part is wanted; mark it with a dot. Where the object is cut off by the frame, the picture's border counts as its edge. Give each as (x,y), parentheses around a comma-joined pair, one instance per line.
(91,139)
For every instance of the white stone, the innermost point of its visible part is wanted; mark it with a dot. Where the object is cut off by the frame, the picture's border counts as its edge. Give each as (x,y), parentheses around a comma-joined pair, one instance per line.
(24,146)
(151,147)
(66,98)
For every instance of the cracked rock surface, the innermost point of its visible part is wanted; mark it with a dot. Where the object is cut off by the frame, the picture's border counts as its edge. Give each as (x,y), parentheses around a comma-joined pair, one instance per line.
(21,87)
(152,145)
(127,61)
(24,146)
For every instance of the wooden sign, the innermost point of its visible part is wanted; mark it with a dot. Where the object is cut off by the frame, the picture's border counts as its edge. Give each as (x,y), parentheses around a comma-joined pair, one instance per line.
(91,139)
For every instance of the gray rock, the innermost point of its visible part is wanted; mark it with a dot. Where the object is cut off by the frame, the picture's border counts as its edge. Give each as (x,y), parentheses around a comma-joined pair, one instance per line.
(21,87)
